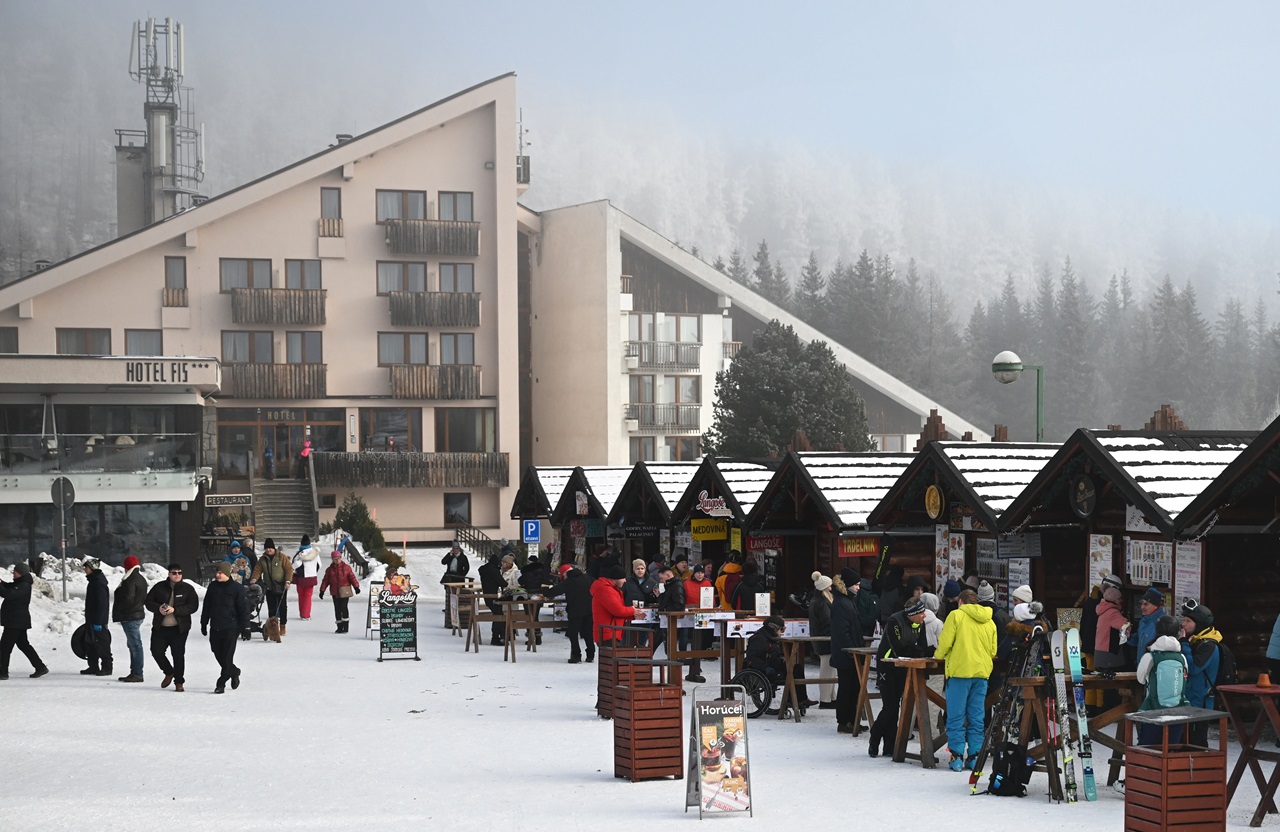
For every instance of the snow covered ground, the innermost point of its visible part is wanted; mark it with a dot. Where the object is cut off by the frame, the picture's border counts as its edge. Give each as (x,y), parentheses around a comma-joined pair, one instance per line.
(322,736)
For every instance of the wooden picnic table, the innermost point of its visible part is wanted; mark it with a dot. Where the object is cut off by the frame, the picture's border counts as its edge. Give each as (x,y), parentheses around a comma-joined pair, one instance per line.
(862,657)
(1237,698)
(916,694)
(793,650)
(453,605)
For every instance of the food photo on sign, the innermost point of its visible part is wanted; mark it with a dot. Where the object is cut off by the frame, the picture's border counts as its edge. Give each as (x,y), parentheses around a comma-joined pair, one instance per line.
(723,772)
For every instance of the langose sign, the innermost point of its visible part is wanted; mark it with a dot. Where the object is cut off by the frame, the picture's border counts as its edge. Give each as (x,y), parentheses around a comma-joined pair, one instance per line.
(712,506)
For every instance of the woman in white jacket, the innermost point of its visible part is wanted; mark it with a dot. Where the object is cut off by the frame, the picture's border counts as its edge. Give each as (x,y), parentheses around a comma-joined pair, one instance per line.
(306,574)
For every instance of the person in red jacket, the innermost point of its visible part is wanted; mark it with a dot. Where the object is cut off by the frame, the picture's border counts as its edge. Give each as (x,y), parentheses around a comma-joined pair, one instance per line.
(607,607)
(341,581)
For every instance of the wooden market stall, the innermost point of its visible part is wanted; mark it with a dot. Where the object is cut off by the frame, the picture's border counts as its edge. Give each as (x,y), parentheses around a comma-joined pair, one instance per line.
(642,509)
(585,502)
(710,516)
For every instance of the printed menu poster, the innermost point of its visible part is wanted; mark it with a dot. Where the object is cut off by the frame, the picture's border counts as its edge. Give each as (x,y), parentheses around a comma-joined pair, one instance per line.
(1019,574)
(941,557)
(722,768)
(956,547)
(1099,558)
(1186,572)
(762,605)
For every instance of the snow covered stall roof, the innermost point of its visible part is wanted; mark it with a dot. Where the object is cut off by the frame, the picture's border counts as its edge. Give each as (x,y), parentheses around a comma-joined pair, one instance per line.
(739,481)
(844,487)
(600,485)
(538,486)
(1250,478)
(651,491)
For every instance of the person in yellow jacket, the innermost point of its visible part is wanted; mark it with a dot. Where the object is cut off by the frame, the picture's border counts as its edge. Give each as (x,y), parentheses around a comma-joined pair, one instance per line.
(968,644)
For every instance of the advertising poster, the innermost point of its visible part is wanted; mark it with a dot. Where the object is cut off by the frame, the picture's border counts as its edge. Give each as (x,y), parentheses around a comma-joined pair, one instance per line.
(956,548)
(718,758)
(941,557)
(1100,563)
(762,605)
(1149,561)
(398,633)
(373,620)
(1019,574)
(1186,573)
(707,597)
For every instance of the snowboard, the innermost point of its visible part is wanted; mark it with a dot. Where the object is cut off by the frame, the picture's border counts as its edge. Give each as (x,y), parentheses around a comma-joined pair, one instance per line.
(1058,651)
(1082,714)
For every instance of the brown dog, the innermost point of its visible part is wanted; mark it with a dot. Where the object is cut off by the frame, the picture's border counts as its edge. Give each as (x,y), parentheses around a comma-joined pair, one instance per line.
(271,630)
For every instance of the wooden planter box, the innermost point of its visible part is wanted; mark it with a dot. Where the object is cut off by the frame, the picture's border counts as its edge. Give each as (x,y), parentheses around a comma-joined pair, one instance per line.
(647,731)
(1174,786)
(607,668)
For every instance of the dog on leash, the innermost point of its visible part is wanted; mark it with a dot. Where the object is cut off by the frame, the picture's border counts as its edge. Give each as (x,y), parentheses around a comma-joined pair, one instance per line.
(271,630)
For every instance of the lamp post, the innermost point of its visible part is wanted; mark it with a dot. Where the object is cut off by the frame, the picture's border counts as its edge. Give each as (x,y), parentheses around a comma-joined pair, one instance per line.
(1007,367)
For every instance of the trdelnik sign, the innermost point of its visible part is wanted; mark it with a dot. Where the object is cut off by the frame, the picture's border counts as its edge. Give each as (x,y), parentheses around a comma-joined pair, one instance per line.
(712,506)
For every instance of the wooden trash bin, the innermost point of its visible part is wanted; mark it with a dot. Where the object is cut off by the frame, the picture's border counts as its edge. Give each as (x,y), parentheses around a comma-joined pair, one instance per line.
(1175,786)
(648,731)
(634,644)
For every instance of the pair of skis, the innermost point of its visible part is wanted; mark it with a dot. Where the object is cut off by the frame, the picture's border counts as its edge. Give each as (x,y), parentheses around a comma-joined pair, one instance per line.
(1065,648)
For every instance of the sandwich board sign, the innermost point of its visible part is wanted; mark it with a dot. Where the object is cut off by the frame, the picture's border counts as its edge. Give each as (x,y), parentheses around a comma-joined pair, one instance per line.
(398,625)
(719,773)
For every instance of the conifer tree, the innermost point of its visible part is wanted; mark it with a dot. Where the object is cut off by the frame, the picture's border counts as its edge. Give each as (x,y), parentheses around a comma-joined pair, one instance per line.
(810,300)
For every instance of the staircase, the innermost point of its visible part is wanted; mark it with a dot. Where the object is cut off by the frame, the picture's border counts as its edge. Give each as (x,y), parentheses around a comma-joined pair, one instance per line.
(482,546)
(283,511)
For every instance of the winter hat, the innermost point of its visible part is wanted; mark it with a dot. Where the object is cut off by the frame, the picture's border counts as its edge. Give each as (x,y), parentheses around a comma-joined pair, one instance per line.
(1112,594)
(915,607)
(821,582)
(92,563)
(849,576)
(776,623)
(1167,625)
(532,558)
(864,585)
(613,573)
(972,582)
(1022,612)
(1112,579)
(930,601)
(986,592)
(335,554)
(22,569)
(306,541)
(952,589)
(916,582)
(1153,596)
(268,544)
(697,567)
(638,562)
(1023,594)
(564,569)
(224,568)
(1198,613)
(682,558)
(235,544)
(131,562)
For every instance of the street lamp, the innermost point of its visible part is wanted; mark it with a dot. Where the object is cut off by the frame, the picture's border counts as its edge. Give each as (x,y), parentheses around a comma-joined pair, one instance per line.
(1007,367)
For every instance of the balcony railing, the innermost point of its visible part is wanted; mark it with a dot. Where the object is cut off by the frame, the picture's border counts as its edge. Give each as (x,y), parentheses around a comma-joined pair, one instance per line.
(522,170)
(666,418)
(443,237)
(626,284)
(666,356)
(95,452)
(174,297)
(435,309)
(275,381)
(731,348)
(410,470)
(435,381)
(330,227)
(290,307)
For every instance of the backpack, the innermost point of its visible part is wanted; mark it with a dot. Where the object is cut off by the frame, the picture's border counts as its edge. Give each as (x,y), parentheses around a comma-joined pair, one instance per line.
(1009,771)
(1226,667)
(1167,682)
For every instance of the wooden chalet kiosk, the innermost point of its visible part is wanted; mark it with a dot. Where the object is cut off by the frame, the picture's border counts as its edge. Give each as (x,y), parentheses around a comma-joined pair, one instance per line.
(814,514)
(943,512)
(1109,501)
(642,510)
(580,512)
(710,517)
(538,487)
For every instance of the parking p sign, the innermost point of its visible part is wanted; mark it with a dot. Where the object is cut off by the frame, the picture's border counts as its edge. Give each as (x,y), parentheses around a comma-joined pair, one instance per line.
(532,531)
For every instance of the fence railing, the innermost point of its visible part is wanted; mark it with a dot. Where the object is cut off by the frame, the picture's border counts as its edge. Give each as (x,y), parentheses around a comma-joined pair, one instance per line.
(668,418)
(450,238)
(33,453)
(665,356)
(405,469)
(292,307)
(275,381)
(435,381)
(435,309)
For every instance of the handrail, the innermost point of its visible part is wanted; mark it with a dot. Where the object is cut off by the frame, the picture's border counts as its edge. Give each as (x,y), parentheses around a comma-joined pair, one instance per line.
(483,546)
(315,498)
(253,517)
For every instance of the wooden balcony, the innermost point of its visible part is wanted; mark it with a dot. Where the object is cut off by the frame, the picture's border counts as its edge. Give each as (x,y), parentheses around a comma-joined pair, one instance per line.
(446,238)
(665,356)
(274,307)
(454,309)
(732,348)
(375,469)
(666,418)
(435,381)
(330,227)
(174,297)
(275,381)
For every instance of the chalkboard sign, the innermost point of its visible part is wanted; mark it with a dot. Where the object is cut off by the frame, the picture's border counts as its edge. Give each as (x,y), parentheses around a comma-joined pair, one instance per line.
(398,630)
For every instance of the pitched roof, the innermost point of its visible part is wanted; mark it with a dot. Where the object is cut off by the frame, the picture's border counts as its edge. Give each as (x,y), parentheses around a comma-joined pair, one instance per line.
(538,485)
(845,486)
(1158,472)
(348,152)
(1251,468)
(601,486)
(739,481)
(663,482)
(985,476)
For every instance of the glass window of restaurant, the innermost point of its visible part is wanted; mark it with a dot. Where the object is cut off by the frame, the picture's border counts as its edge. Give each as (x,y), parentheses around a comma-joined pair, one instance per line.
(245,433)
(466,430)
(110,531)
(390,429)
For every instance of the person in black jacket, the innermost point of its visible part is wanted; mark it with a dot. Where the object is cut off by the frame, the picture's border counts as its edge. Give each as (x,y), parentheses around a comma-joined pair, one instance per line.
(846,631)
(672,599)
(744,594)
(226,608)
(129,609)
(491,583)
(15,618)
(534,576)
(904,638)
(97,614)
(172,603)
(575,586)
(456,566)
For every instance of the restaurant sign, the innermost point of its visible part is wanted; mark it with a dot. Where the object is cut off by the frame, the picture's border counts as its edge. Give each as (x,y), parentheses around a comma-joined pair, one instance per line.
(859,547)
(641,530)
(212,500)
(760,542)
(398,619)
(719,775)
(709,529)
(712,506)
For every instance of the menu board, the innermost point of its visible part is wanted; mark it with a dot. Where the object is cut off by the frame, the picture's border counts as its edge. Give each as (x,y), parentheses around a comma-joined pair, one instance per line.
(941,557)
(1186,572)
(1149,561)
(719,777)
(373,619)
(1099,558)
(1019,574)
(956,550)
(398,633)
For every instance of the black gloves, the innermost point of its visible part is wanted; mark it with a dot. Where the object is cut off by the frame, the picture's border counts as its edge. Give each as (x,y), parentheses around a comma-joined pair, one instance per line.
(357,590)
(204,629)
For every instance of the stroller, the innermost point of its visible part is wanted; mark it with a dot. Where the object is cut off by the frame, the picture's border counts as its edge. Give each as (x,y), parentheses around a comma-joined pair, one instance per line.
(256,596)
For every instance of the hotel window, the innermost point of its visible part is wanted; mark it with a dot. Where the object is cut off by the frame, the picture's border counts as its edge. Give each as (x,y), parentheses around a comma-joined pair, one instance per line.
(466,430)
(457,277)
(247,348)
(642,449)
(304,348)
(8,340)
(402,205)
(84,341)
(302,274)
(687,329)
(239,273)
(143,342)
(688,389)
(456,205)
(640,326)
(457,348)
(390,428)
(684,448)
(457,509)
(641,389)
(175,272)
(331,203)
(402,348)
(402,277)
